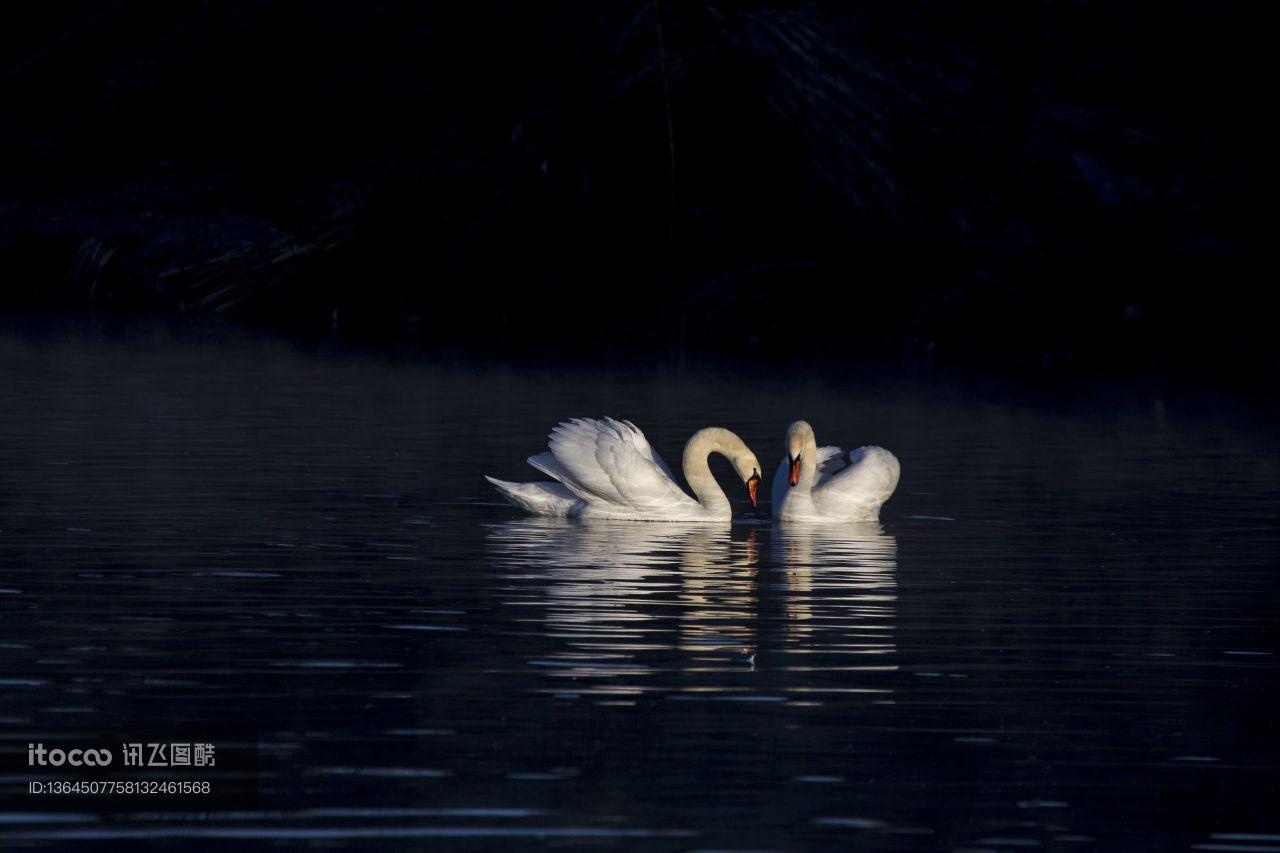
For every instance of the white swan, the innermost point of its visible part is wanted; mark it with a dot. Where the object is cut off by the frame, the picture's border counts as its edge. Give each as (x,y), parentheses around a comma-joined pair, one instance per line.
(606,469)
(827,484)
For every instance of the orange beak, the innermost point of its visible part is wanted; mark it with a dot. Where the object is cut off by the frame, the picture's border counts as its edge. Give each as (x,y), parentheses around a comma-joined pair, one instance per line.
(753,486)
(793,472)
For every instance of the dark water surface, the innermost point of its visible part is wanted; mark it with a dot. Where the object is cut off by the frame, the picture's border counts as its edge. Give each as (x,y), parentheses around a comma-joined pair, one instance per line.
(1063,635)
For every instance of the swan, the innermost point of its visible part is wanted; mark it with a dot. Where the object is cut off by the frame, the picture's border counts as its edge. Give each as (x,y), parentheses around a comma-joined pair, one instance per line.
(606,469)
(827,484)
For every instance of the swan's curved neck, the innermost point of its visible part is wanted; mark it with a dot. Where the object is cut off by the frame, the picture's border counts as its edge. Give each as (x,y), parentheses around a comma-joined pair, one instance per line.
(808,462)
(697,470)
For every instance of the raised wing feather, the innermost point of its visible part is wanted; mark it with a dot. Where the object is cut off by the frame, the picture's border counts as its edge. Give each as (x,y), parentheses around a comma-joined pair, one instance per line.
(641,441)
(610,461)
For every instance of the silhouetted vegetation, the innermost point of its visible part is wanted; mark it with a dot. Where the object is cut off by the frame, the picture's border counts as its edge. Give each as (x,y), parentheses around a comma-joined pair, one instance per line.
(1074,185)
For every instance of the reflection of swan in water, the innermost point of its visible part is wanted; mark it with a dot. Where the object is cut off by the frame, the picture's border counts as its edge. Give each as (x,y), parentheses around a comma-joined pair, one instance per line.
(617,593)
(840,586)
(861,548)
(611,550)
(619,610)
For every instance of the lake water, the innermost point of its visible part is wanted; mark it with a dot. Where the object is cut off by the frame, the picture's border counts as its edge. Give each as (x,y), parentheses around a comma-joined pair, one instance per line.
(1062,635)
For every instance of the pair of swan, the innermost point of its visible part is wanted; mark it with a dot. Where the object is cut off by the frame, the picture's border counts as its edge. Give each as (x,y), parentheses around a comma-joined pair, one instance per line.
(606,469)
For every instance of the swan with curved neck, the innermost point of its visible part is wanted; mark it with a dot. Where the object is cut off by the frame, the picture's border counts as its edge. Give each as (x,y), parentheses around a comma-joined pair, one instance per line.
(827,484)
(606,469)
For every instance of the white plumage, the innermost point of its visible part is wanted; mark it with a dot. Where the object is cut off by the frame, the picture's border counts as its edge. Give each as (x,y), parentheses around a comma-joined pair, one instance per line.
(607,469)
(832,485)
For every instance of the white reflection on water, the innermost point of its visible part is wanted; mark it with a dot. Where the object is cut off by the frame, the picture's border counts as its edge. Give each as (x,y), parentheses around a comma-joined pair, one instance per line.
(618,595)
(841,587)
(631,603)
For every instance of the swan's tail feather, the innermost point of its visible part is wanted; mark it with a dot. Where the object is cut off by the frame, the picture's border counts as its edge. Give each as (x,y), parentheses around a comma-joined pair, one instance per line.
(537,498)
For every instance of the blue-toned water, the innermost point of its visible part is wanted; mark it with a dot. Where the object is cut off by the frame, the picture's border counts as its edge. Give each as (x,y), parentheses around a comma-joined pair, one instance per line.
(1063,634)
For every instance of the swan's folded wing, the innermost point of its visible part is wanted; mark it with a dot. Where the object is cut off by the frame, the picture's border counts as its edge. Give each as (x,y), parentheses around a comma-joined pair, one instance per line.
(830,461)
(609,461)
(860,487)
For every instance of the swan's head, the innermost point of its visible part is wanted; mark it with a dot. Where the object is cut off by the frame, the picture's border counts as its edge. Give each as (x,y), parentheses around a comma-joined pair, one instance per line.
(798,435)
(748,468)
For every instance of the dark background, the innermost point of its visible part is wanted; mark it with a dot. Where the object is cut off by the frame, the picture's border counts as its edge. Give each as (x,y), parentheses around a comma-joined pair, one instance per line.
(1069,187)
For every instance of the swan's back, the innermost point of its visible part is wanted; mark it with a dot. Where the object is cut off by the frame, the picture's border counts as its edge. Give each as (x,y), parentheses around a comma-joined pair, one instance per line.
(857,491)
